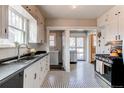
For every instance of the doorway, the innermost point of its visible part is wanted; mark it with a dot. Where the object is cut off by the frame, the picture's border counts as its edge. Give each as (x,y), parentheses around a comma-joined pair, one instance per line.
(93,46)
(56,49)
(77,44)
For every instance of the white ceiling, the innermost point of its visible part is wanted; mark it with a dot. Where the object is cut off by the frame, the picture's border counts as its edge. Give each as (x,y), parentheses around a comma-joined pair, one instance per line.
(80,12)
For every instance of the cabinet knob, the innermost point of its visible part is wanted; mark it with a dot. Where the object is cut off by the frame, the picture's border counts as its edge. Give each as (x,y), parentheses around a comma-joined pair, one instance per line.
(26,6)
(29,9)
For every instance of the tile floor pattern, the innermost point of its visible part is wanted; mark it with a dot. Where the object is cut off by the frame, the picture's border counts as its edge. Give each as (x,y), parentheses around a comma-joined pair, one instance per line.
(81,76)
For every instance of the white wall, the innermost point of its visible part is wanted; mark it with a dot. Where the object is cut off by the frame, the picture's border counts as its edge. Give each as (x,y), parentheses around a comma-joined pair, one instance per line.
(71,22)
(10,52)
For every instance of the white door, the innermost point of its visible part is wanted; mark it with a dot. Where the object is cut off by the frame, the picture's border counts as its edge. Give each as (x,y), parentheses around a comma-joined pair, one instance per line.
(78,44)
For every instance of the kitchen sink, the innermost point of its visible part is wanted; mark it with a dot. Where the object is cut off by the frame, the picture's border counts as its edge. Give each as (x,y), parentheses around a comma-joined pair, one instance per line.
(27,59)
(24,58)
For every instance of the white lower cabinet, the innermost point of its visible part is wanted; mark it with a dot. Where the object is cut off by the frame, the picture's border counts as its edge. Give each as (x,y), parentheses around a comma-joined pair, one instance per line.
(35,74)
(28,77)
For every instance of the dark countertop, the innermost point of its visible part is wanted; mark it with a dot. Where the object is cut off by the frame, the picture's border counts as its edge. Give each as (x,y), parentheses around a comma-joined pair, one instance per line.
(108,59)
(8,70)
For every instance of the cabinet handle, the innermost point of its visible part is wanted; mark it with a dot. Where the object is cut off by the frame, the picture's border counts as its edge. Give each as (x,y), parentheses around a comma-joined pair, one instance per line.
(35,76)
(25,75)
(41,69)
(26,6)
(116,37)
(5,31)
(119,37)
(116,14)
(29,9)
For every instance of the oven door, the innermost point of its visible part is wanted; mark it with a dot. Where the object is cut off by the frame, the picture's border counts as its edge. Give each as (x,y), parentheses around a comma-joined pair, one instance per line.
(107,72)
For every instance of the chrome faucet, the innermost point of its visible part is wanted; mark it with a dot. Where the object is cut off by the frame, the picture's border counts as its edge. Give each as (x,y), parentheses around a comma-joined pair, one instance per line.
(18,48)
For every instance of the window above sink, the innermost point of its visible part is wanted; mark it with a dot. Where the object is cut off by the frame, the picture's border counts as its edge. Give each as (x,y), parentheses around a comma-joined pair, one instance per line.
(21,27)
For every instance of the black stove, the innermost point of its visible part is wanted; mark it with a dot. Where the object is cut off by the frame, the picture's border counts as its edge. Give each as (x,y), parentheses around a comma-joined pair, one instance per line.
(113,69)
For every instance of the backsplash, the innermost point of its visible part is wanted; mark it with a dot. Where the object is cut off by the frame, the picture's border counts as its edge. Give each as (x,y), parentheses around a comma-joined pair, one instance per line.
(38,47)
(9,52)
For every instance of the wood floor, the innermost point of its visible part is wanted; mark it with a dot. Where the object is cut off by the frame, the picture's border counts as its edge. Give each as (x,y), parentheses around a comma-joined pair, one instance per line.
(81,76)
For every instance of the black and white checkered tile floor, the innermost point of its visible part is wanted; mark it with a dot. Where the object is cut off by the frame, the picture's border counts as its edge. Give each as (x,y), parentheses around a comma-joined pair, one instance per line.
(81,76)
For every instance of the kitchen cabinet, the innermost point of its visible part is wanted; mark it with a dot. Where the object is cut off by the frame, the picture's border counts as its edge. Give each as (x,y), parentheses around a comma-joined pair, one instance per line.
(103,27)
(121,22)
(4,21)
(35,12)
(111,25)
(35,74)
(41,32)
(116,25)
(31,76)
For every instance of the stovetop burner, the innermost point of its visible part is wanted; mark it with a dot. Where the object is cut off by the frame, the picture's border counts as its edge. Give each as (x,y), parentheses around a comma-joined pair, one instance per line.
(107,58)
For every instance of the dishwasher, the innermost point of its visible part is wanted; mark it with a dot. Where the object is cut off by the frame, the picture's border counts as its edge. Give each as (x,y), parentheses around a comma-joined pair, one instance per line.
(14,82)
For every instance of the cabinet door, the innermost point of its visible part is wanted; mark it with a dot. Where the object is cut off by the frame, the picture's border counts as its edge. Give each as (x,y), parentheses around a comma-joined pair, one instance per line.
(36,75)
(4,21)
(0,21)
(41,33)
(113,24)
(48,62)
(28,77)
(121,22)
(31,76)
(41,72)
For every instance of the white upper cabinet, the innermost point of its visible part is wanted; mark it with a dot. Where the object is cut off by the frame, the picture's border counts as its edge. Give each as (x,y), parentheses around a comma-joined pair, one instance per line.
(115,23)
(35,12)
(41,32)
(4,21)
(112,26)
(121,22)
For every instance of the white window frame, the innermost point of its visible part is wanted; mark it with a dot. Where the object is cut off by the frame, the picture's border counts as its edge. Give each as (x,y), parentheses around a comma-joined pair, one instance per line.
(18,29)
